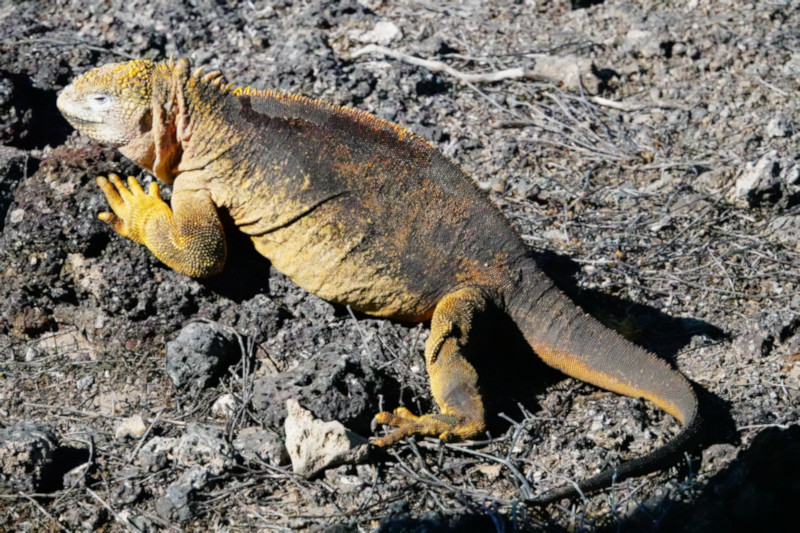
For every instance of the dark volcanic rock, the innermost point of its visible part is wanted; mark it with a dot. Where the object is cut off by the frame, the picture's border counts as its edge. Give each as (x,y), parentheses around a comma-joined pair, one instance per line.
(332,385)
(201,354)
(177,503)
(27,453)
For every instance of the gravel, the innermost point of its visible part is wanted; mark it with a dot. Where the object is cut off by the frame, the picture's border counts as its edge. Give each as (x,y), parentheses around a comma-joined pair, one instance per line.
(658,185)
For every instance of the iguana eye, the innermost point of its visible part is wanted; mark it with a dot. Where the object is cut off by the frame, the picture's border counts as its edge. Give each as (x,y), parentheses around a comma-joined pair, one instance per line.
(98,101)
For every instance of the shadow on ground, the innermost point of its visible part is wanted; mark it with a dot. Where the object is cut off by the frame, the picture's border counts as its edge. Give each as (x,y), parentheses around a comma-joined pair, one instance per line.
(757,491)
(518,376)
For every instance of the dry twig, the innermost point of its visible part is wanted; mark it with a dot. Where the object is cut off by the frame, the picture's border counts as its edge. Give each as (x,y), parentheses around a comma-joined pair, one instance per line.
(43,511)
(566,70)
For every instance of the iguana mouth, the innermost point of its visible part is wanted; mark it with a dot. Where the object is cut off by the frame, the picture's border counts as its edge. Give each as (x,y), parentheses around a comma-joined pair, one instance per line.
(78,120)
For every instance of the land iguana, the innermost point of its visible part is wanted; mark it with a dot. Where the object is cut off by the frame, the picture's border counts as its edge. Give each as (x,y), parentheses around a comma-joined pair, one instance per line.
(358,211)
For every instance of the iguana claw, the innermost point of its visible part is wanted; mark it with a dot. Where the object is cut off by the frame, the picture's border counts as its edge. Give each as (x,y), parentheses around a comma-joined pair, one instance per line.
(407,424)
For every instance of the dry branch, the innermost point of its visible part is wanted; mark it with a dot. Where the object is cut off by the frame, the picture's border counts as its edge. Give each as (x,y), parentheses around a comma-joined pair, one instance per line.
(572,72)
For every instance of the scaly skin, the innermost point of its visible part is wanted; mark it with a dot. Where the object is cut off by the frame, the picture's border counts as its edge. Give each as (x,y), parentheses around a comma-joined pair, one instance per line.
(358,211)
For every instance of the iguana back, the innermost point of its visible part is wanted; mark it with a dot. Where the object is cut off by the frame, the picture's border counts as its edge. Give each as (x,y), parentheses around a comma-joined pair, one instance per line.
(352,208)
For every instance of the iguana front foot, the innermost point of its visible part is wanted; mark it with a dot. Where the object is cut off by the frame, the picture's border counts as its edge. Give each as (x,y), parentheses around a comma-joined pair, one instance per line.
(131,206)
(442,425)
(187,237)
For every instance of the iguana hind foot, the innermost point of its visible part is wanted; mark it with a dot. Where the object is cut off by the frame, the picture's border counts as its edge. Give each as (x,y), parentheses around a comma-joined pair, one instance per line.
(454,382)
(444,426)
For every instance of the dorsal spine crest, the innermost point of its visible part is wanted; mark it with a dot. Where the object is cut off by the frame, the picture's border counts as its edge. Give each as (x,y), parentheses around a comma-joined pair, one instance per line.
(217,80)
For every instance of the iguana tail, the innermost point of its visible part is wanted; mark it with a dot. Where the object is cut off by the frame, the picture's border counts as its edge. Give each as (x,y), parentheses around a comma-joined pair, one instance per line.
(568,339)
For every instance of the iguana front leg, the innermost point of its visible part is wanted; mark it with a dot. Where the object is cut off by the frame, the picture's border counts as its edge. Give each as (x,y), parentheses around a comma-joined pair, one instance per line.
(454,381)
(188,238)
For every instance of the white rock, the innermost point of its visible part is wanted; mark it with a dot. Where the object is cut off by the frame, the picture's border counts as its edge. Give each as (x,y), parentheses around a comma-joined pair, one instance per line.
(315,445)
(133,427)
(383,33)
(224,407)
(644,42)
(777,127)
(16,216)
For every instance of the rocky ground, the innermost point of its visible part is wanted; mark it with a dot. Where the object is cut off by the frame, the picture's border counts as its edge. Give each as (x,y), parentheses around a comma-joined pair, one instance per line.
(649,154)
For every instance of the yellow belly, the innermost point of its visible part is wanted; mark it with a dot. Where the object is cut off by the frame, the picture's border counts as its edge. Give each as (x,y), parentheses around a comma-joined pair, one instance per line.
(335,264)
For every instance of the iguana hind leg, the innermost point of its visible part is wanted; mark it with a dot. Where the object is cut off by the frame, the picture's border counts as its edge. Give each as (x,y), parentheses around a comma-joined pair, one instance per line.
(454,381)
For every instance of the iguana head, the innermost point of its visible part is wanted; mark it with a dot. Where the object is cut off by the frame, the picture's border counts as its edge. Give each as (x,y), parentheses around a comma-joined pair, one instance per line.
(111,104)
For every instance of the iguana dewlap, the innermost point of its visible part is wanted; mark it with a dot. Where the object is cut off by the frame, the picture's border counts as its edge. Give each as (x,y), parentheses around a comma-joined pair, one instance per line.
(358,211)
